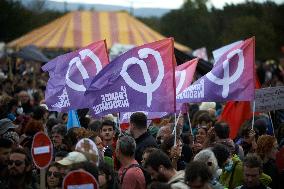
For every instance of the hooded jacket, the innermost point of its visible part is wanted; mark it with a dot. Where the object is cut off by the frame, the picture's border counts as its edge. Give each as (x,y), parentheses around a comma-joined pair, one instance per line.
(177,181)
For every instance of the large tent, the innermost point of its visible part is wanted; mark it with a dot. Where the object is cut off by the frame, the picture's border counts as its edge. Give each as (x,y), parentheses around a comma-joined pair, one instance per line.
(80,28)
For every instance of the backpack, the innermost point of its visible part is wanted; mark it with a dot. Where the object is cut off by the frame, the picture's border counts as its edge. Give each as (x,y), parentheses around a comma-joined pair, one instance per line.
(145,173)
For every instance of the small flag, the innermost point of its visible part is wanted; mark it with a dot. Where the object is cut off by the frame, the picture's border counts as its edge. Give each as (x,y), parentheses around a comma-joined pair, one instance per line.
(73,119)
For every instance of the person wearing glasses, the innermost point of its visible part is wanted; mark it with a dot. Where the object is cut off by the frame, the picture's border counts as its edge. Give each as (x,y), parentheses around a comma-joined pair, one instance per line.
(20,170)
(53,177)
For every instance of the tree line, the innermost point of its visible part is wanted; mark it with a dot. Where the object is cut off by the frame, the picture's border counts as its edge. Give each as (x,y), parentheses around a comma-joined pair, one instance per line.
(194,24)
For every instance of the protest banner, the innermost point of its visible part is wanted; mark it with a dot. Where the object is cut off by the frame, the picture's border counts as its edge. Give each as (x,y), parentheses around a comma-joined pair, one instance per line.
(269,99)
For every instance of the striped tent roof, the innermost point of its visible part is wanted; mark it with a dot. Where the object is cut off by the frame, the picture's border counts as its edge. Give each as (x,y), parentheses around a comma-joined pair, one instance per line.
(80,28)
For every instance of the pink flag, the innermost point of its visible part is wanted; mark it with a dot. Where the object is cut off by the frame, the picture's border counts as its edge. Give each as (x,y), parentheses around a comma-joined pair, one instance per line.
(184,75)
(201,53)
(231,78)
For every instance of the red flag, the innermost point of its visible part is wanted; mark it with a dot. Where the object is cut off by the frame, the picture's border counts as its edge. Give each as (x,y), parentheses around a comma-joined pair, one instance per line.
(235,113)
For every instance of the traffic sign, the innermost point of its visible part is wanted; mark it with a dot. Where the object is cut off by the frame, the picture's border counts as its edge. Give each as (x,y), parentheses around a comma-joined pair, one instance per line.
(79,179)
(42,150)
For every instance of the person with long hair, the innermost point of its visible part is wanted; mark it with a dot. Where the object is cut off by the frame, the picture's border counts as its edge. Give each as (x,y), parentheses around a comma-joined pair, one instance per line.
(267,149)
(53,177)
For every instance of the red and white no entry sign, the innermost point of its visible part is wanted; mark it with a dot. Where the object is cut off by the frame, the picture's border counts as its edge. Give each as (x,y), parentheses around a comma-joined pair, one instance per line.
(42,150)
(80,179)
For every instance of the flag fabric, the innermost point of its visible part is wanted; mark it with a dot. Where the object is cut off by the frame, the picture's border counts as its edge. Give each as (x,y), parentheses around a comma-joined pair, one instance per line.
(73,120)
(65,88)
(184,75)
(125,116)
(232,77)
(200,53)
(142,79)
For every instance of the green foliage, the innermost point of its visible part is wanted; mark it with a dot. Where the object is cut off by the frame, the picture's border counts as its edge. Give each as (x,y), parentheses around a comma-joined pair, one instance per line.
(16,20)
(154,22)
(195,25)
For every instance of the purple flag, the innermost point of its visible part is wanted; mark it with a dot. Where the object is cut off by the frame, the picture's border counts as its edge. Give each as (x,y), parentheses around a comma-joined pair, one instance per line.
(142,79)
(232,77)
(65,88)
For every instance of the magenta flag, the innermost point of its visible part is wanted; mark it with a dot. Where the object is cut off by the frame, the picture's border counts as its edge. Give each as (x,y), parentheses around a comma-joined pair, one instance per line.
(232,77)
(65,88)
(142,79)
(184,77)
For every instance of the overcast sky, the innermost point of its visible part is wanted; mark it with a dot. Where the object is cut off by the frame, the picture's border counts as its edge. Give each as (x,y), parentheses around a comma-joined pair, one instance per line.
(172,4)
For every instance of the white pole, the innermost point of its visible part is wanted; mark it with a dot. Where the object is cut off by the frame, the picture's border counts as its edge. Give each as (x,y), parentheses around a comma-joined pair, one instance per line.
(190,128)
(42,178)
(175,129)
(271,122)
(189,123)
(253,110)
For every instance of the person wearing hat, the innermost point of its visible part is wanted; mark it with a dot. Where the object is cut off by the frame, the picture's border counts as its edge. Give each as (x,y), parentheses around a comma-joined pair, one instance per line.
(72,160)
(6,125)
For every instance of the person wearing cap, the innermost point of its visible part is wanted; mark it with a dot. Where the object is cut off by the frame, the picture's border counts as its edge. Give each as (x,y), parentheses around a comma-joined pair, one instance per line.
(6,125)
(72,159)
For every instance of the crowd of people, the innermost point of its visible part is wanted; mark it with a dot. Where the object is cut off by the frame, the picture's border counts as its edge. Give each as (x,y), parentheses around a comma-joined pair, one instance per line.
(161,155)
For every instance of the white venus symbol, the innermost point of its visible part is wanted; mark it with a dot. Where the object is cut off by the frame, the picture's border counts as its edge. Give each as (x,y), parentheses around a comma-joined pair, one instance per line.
(227,79)
(76,60)
(150,87)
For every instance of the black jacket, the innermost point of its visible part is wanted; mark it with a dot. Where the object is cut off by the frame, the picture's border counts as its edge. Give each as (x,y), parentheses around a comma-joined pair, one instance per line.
(146,140)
